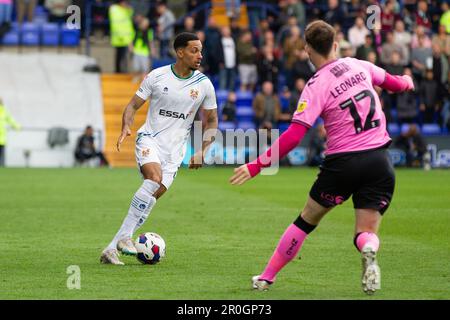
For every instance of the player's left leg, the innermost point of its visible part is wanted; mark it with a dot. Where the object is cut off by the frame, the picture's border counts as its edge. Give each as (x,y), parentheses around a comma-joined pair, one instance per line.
(290,243)
(168,174)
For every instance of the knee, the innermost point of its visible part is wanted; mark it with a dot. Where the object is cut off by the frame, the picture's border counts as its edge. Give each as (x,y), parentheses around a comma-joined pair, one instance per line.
(152,172)
(155,177)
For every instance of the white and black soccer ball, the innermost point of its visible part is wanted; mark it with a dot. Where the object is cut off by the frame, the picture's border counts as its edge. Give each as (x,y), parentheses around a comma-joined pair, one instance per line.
(150,247)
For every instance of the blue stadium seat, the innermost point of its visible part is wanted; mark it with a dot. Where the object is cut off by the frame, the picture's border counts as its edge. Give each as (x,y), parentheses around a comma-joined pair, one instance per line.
(244,98)
(245,125)
(12,37)
(283,126)
(224,125)
(404,127)
(30,34)
(431,129)
(221,96)
(284,104)
(281,81)
(70,37)
(393,129)
(214,80)
(161,62)
(50,34)
(244,113)
(394,114)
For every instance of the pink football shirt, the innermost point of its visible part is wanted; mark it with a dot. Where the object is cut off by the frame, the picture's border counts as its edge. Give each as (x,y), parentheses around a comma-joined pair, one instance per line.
(342,94)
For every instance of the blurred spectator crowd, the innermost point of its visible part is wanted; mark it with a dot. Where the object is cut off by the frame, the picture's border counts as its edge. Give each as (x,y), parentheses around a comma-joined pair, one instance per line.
(264,67)
(268,60)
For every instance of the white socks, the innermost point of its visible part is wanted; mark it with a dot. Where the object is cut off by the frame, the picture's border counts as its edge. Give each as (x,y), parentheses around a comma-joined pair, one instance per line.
(141,205)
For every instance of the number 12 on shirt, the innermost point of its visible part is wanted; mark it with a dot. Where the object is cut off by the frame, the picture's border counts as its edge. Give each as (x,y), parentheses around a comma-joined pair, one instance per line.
(350,103)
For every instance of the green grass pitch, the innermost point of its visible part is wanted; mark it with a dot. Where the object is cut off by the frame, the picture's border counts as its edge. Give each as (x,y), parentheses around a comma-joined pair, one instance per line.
(217,237)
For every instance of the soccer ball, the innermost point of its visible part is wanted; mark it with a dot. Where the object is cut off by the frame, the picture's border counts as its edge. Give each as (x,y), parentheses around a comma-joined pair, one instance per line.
(150,247)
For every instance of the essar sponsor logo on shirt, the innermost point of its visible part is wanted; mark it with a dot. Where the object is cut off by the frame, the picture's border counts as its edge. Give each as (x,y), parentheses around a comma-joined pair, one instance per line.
(302,105)
(174,114)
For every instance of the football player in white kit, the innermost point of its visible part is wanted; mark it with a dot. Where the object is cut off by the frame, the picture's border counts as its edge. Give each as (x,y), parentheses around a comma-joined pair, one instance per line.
(175,92)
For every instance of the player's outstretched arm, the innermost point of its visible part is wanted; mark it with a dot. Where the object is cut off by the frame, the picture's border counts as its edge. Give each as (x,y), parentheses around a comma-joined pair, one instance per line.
(284,144)
(397,83)
(388,81)
(209,135)
(128,118)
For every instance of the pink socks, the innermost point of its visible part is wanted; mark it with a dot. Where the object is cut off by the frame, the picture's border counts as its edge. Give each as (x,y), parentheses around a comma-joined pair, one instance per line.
(291,242)
(287,249)
(364,238)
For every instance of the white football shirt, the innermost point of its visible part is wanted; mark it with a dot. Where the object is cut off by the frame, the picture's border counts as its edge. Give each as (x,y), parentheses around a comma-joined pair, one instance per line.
(174,101)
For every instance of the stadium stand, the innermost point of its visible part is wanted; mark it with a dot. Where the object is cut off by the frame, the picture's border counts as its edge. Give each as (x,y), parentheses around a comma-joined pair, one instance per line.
(271,29)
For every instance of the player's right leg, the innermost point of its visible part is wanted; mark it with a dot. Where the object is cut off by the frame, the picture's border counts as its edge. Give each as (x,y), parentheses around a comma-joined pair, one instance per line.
(371,200)
(141,205)
(290,243)
(367,242)
(332,187)
(143,201)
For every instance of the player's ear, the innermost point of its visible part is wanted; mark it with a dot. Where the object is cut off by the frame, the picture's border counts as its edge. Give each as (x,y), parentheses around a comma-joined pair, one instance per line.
(335,46)
(180,52)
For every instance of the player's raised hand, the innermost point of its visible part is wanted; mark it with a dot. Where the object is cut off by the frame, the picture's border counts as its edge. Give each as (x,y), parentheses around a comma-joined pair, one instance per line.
(410,82)
(196,161)
(125,133)
(240,176)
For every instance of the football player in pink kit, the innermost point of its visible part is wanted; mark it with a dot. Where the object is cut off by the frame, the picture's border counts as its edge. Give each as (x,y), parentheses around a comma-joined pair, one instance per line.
(357,163)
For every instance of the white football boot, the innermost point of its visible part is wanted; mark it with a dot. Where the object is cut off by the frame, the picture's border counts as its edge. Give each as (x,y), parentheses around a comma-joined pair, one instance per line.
(111,256)
(126,246)
(371,275)
(259,284)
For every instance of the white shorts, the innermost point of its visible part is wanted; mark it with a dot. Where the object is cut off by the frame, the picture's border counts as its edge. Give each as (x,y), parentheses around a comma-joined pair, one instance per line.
(147,150)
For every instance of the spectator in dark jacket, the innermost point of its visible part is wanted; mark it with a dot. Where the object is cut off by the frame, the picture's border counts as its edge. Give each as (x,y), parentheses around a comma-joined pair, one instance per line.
(229,108)
(85,149)
(363,51)
(428,91)
(302,67)
(268,66)
(393,67)
(407,103)
(296,93)
(213,43)
(334,14)
(317,145)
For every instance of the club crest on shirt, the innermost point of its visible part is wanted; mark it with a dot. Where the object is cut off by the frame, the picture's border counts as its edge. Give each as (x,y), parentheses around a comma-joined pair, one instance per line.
(165,90)
(302,105)
(145,152)
(194,94)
